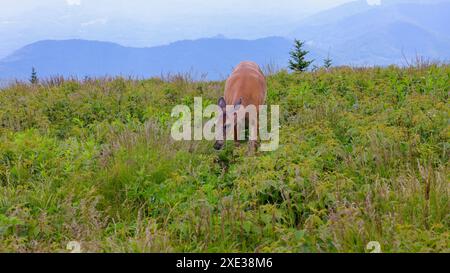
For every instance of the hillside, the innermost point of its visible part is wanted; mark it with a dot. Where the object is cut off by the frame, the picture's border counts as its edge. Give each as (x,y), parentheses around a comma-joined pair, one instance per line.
(364,156)
(359,34)
(91,58)
(354,33)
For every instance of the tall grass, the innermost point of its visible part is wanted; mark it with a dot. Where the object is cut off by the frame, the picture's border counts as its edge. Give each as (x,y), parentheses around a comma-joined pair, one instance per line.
(363,157)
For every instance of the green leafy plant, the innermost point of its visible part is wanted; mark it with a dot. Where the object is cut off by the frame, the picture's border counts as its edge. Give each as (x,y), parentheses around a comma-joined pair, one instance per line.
(363,156)
(298,62)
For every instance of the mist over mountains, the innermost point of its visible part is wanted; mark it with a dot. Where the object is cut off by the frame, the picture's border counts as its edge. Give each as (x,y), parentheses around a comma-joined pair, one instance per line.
(214,57)
(355,33)
(359,34)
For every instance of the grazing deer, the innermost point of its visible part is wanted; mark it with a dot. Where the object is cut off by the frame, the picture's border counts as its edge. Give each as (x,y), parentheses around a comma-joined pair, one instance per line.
(246,86)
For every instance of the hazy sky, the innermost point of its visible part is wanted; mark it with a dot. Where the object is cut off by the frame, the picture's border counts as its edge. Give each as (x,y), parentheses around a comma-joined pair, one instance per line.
(163,8)
(149,22)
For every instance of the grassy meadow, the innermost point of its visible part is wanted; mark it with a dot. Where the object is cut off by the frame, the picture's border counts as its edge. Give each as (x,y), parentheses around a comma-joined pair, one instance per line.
(363,156)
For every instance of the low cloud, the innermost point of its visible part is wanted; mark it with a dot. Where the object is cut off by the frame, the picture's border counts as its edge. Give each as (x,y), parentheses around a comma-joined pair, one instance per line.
(374,2)
(73,2)
(101,21)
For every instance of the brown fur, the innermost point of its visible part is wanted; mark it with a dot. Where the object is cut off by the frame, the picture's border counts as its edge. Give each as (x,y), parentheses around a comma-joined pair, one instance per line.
(246,82)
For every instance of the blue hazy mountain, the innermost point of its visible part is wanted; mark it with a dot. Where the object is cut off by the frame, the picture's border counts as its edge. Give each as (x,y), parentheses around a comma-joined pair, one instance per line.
(214,56)
(360,34)
(355,33)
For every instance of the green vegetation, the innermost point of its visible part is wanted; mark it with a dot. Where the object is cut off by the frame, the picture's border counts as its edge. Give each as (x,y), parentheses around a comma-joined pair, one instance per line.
(298,62)
(33,78)
(327,62)
(363,157)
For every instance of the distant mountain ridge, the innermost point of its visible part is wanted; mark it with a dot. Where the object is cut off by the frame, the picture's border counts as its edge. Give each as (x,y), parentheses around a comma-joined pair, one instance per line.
(359,34)
(355,33)
(214,56)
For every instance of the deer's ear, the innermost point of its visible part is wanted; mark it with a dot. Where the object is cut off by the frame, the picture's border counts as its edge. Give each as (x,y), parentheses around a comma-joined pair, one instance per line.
(238,104)
(222,104)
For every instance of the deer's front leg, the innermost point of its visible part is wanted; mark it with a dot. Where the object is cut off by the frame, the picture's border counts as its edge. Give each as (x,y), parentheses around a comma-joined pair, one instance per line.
(236,138)
(253,137)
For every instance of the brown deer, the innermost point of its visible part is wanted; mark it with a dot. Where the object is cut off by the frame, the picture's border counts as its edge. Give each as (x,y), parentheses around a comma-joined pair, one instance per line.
(246,86)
